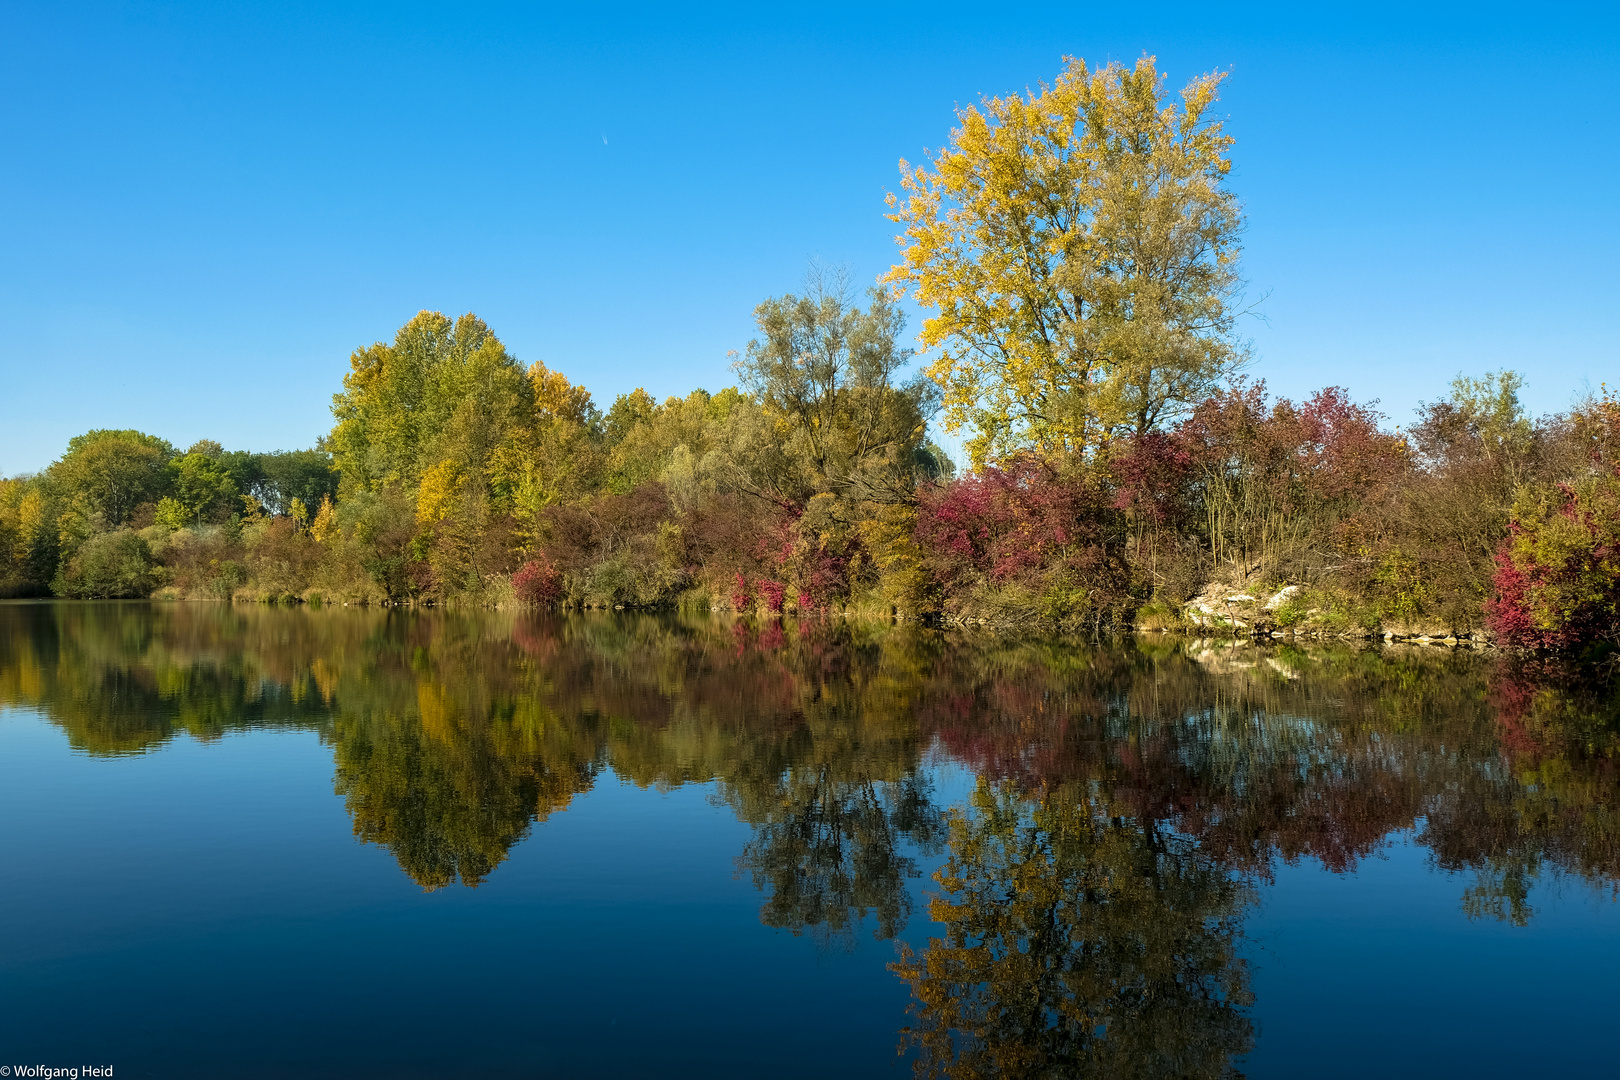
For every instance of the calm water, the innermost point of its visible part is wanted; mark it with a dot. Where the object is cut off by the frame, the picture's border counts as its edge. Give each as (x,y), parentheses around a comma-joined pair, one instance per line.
(248,842)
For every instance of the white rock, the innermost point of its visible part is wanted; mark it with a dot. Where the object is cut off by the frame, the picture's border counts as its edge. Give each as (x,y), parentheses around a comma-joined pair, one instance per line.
(1282,595)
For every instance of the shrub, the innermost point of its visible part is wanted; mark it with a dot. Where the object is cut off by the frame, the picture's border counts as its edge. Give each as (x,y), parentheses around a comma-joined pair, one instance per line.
(1289,612)
(116,564)
(1028,530)
(228,576)
(193,559)
(1557,581)
(771,594)
(537,582)
(281,558)
(171,514)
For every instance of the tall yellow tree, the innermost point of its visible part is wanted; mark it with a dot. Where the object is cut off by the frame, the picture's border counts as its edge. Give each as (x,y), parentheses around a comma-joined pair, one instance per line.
(1079,248)
(443,391)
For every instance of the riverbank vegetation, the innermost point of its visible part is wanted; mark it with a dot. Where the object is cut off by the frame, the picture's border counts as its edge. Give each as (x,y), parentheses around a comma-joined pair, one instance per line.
(1078,252)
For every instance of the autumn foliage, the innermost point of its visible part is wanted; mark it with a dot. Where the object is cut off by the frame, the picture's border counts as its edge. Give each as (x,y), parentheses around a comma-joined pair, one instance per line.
(1078,248)
(1557,582)
(1049,541)
(537,583)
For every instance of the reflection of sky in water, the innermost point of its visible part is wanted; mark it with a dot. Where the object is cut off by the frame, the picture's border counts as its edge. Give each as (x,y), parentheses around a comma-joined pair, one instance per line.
(206,911)
(1378,973)
(203,908)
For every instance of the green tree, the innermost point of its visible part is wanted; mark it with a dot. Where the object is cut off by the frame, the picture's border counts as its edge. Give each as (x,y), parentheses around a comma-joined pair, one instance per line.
(107,474)
(441,391)
(643,438)
(28,536)
(204,487)
(1475,453)
(1486,414)
(827,374)
(447,419)
(111,565)
(285,475)
(1080,250)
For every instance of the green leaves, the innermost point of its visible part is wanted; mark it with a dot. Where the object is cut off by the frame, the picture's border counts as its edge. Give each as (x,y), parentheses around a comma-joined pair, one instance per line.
(107,474)
(827,374)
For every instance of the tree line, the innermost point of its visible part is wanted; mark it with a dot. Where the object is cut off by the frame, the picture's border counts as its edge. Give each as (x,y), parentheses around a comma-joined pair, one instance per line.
(1078,250)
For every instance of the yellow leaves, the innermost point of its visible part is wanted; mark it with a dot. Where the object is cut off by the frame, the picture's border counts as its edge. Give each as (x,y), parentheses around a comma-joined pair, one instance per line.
(32,526)
(439,488)
(555,398)
(441,388)
(172,514)
(1054,225)
(325,525)
(441,716)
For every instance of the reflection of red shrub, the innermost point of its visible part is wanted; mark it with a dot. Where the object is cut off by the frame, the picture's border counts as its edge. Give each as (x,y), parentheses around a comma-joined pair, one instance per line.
(771,638)
(1513,690)
(537,583)
(536,635)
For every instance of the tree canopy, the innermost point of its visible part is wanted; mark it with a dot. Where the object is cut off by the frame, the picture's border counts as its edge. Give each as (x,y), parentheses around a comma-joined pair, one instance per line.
(1079,248)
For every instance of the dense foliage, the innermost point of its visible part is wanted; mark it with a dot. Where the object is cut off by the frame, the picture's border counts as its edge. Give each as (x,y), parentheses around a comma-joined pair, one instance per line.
(1078,248)
(813,488)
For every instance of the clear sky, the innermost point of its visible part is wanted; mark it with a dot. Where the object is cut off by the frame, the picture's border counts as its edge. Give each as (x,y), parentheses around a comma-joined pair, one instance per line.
(208,206)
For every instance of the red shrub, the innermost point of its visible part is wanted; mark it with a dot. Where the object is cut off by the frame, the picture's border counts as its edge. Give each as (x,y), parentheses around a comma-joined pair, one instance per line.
(740,598)
(1507,614)
(771,594)
(1025,524)
(1004,523)
(1151,479)
(537,583)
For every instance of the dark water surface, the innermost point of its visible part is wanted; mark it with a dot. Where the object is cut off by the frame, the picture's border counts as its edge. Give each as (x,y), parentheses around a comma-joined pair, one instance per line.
(261,842)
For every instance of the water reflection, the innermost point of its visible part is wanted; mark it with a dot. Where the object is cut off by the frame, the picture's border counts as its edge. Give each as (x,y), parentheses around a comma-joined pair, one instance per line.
(1130,798)
(1077,942)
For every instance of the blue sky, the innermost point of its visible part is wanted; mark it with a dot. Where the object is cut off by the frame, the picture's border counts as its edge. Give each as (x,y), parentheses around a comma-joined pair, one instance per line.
(209,206)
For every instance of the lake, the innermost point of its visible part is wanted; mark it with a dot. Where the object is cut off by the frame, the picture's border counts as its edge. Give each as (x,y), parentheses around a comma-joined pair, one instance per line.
(270,842)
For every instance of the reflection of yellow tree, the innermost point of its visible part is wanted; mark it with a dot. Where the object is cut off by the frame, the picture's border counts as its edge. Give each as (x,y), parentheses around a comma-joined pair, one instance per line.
(447,808)
(815,744)
(450,785)
(1077,943)
(829,852)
